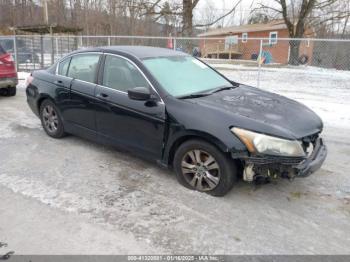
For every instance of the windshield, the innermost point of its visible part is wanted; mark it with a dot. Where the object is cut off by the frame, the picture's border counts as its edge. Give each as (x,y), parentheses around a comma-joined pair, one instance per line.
(184,75)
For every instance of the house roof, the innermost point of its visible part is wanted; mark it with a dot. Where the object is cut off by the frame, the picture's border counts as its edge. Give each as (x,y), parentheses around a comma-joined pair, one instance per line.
(274,25)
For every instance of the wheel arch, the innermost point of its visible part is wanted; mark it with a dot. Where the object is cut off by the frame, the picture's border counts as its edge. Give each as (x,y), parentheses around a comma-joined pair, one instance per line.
(189,135)
(41,100)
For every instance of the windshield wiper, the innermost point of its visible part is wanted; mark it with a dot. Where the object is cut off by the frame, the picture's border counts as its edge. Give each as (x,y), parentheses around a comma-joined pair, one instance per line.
(220,88)
(194,95)
(215,90)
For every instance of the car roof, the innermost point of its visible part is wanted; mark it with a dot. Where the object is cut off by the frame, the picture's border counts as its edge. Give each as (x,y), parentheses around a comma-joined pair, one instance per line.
(140,52)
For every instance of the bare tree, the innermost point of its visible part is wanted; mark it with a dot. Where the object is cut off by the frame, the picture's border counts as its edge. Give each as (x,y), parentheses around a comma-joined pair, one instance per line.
(230,12)
(298,16)
(296,30)
(111,16)
(186,10)
(187,17)
(208,14)
(258,18)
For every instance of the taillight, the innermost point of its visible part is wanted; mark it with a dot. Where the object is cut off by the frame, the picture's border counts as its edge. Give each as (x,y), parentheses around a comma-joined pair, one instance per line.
(6,59)
(11,58)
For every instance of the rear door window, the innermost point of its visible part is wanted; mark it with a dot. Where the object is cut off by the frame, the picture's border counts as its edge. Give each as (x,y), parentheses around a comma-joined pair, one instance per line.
(63,67)
(84,67)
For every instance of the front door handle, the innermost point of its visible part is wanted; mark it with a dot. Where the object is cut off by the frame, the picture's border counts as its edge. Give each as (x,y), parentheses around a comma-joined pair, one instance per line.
(102,95)
(59,83)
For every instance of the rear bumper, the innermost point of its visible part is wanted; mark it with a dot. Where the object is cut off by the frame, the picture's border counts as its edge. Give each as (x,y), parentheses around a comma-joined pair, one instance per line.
(314,161)
(8,82)
(32,105)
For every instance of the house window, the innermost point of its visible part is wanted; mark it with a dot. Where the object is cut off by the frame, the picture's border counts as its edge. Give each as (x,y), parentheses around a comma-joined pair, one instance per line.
(244,37)
(273,38)
(230,41)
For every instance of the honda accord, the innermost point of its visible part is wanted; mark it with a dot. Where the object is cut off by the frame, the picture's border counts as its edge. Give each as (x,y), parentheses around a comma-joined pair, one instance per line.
(175,109)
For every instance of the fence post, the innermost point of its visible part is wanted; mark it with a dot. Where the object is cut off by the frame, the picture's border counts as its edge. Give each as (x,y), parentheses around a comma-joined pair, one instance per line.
(42,51)
(109,41)
(52,50)
(56,40)
(75,41)
(61,47)
(33,53)
(52,46)
(203,50)
(288,53)
(260,59)
(16,51)
(174,45)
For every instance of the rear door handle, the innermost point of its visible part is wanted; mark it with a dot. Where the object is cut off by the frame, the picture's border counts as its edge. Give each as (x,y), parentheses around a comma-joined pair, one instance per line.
(102,95)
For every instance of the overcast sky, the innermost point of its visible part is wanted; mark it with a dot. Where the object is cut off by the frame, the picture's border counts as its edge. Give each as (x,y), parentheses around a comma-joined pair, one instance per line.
(225,4)
(222,6)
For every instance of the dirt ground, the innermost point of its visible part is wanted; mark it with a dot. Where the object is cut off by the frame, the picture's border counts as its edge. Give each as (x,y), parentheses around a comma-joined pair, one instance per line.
(72,196)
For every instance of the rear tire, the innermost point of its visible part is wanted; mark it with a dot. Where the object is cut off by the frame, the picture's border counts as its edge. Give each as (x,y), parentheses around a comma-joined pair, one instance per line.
(51,119)
(8,91)
(200,166)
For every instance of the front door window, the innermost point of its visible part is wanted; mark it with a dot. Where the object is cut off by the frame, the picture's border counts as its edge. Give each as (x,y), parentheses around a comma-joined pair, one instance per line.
(121,75)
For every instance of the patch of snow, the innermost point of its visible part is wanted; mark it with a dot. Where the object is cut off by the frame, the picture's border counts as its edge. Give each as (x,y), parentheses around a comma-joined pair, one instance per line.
(8,127)
(22,77)
(326,91)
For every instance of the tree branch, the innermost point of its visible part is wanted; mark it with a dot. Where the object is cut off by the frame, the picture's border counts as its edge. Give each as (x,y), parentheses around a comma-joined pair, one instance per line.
(194,4)
(287,21)
(221,17)
(262,6)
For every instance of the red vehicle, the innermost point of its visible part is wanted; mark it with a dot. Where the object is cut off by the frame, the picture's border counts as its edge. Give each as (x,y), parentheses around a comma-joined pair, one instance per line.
(8,74)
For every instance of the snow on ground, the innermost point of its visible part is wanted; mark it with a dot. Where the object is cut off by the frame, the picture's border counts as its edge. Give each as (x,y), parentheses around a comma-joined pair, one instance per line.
(326,91)
(106,201)
(22,76)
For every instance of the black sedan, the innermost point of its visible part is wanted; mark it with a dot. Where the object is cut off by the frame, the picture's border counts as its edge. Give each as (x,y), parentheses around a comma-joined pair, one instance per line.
(172,108)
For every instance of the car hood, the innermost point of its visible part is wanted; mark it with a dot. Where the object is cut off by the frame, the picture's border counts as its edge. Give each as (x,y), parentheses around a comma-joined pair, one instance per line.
(257,110)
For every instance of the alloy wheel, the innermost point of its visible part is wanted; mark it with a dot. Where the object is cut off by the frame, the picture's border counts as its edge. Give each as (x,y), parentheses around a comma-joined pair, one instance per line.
(50,118)
(200,170)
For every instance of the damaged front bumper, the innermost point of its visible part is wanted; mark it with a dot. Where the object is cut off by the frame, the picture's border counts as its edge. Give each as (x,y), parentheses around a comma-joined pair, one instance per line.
(314,161)
(286,167)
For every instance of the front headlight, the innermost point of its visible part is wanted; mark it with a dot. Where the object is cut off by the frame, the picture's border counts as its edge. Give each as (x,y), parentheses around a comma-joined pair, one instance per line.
(269,145)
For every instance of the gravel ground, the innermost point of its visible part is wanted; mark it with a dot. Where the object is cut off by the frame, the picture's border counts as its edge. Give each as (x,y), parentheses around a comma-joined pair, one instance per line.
(73,196)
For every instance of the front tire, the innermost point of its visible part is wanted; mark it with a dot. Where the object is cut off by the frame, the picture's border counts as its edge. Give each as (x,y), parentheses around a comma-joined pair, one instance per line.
(201,166)
(51,119)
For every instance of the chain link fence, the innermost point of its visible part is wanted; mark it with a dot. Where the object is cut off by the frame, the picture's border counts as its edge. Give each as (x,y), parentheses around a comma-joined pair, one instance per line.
(33,52)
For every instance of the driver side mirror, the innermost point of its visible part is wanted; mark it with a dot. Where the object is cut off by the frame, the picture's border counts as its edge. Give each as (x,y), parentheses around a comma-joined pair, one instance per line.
(140,93)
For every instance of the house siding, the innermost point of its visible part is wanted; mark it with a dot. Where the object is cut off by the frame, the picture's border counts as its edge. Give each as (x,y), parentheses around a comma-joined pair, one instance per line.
(279,51)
